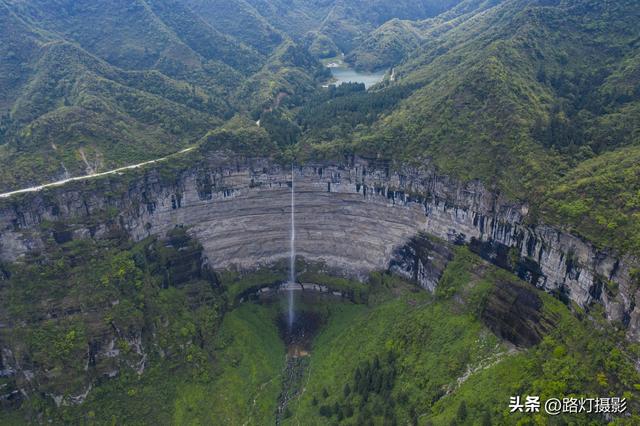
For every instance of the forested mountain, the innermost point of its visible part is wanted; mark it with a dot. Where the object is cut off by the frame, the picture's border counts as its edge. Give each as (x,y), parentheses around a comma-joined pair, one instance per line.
(396,39)
(70,68)
(521,95)
(517,92)
(542,96)
(329,26)
(241,20)
(88,86)
(470,223)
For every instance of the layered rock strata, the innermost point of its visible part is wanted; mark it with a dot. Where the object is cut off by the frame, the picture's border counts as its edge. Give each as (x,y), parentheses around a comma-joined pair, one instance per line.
(354,217)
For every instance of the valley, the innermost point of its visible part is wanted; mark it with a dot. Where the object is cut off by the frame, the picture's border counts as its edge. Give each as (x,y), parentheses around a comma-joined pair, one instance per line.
(319,212)
(473,358)
(193,222)
(343,73)
(349,75)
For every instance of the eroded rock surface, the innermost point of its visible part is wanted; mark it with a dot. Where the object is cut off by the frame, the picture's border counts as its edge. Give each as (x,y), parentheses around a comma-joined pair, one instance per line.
(422,260)
(353,217)
(515,313)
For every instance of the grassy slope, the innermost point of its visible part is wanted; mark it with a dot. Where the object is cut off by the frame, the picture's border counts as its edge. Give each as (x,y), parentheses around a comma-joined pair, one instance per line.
(434,345)
(600,199)
(232,369)
(241,385)
(249,358)
(82,293)
(438,340)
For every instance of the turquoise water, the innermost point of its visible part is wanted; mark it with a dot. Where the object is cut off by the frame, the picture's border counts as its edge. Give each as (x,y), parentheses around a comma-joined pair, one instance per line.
(345,75)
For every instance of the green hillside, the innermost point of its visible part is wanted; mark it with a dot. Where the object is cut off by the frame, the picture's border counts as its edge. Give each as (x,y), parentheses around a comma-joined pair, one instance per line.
(241,20)
(396,40)
(539,100)
(349,22)
(137,34)
(528,100)
(342,24)
(415,359)
(521,96)
(90,86)
(398,355)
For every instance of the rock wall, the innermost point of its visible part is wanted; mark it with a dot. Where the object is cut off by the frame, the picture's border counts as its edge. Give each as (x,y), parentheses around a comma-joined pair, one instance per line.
(354,217)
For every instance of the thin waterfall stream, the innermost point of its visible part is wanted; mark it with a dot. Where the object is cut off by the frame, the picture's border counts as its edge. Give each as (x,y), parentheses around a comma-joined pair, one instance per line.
(295,366)
(297,328)
(292,253)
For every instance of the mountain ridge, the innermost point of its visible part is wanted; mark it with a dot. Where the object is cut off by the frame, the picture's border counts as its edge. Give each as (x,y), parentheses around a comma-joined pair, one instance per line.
(188,76)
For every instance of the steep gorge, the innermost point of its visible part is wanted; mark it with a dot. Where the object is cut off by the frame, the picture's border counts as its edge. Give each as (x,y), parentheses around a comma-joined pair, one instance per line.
(355,217)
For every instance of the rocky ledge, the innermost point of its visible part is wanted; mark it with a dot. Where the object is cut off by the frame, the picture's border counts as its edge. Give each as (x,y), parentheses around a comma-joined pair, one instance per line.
(354,217)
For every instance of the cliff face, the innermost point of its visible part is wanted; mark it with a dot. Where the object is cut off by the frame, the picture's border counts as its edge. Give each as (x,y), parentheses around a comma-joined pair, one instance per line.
(354,217)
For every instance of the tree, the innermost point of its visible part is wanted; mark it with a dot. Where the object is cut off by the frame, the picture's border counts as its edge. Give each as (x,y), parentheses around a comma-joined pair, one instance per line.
(486,419)
(325,411)
(462,411)
(376,363)
(413,414)
(348,410)
(347,390)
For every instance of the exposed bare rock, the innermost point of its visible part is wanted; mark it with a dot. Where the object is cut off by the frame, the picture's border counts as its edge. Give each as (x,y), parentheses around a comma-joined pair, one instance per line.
(422,261)
(353,217)
(515,313)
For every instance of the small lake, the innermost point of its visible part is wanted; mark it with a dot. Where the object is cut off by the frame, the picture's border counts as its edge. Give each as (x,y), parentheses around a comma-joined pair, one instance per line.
(348,75)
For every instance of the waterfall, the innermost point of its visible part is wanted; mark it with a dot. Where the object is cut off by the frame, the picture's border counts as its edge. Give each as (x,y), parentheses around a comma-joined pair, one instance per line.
(292,251)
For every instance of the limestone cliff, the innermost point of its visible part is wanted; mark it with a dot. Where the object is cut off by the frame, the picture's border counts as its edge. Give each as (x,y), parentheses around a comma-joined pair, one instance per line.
(354,217)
